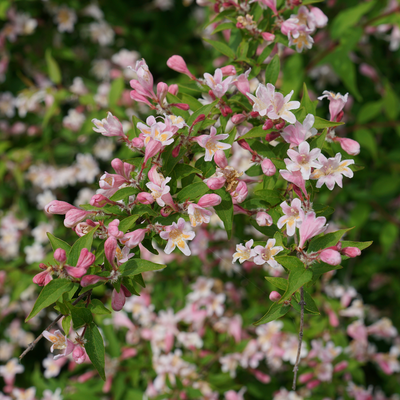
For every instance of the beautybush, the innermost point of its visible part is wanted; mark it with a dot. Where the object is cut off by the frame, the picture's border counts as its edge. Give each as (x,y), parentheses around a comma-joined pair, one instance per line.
(230,172)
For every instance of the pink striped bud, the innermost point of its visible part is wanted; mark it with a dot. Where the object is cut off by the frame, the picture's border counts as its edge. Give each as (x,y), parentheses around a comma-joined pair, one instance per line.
(176,150)
(274,296)
(303,378)
(313,384)
(181,106)
(79,354)
(350,146)
(145,198)
(137,142)
(60,256)
(127,293)
(173,89)
(74,216)
(132,239)
(280,126)
(268,167)
(91,280)
(269,37)
(162,90)
(331,257)
(226,110)
(216,183)
(117,300)
(139,98)
(86,259)
(254,114)
(242,143)
(209,200)
(110,249)
(268,124)
(263,219)
(58,207)
(240,193)
(152,148)
(200,118)
(228,70)
(177,63)
(351,252)
(238,118)
(264,378)
(269,137)
(98,200)
(340,366)
(220,159)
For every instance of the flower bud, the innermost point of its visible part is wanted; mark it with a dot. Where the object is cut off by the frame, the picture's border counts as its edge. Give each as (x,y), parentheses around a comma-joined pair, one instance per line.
(173,89)
(254,114)
(162,90)
(200,118)
(177,63)
(269,37)
(268,167)
(145,198)
(209,200)
(220,159)
(319,17)
(238,118)
(216,182)
(331,257)
(60,256)
(228,70)
(269,137)
(58,207)
(127,293)
(242,143)
(181,106)
(139,98)
(74,216)
(137,142)
(340,366)
(110,249)
(225,110)
(274,296)
(280,126)
(268,124)
(98,200)
(79,354)
(91,280)
(240,193)
(117,300)
(42,278)
(263,219)
(132,239)
(313,384)
(264,378)
(351,252)
(152,148)
(350,146)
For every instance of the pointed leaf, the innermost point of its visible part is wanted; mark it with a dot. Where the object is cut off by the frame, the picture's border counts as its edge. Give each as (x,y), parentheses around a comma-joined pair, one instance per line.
(297,278)
(221,47)
(136,266)
(276,311)
(57,243)
(272,71)
(224,210)
(280,283)
(328,240)
(95,349)
(289,262)
(192,191)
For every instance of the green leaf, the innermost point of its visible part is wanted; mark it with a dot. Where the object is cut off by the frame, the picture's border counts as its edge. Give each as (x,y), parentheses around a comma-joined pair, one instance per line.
(206,167)
(276,311)
(321,123)
(309,105)
(128,223)
(289,262)
(184,170)
(359,245)
(50,294)
(52,67)
(328,240)
(297,278)
(127,282)
(224,210)
(272,71)
(139,279)
(141,209)
(123,193)
(255,132)
(222,27)
(95,349)
(310,306)
(270,196)
(318,141)
(265,53)
(117,86)
(136,266)
(66,324)
(194,104)
(84,242)
(192,191)
(57,243)
(81,316)
(97,307)
(280,283)
(202,110)
(322,268)
(221,47)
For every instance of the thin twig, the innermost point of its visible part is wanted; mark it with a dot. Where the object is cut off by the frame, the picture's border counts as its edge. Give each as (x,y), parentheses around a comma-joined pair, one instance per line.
(34,343)
(296,366)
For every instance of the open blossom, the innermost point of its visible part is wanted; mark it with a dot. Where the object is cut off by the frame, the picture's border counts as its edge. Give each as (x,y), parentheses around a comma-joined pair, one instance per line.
(110,126)
(310,227)
(211,144)
(160,131)
(301,38)
(337,102)
(177,236)
(266,254)
(60,342)
(298,133)
(217,84)
(332,171)
(158,191)
(293,217)
(244,253)
(303,159)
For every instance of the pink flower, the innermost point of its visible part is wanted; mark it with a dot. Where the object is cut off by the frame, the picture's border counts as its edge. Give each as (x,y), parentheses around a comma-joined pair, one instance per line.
(336,102)
(98,200)
(43,278)
(350,146)
(266,254)
(60,342)
(158,191)
(242,83)
(228,70)
(232,395)
(109,127)
(268,4)
(220,159)
(118,300)
(86,259)
(177,236)
(152,149)
(132,239)
(177,63)
(320,18)
(351,252)
(91,280)
(274,296)
(216,182)
(58,207)
(301,38)
(74,216)
(110,249)
(218,86)
(145,79)
(310,227)
(79,354)
(293,217)
(145,198)
(303,160)
(113,229)
(298,133)
(332,170)
(211,144)
(295,178)
(240,193)
(244,253)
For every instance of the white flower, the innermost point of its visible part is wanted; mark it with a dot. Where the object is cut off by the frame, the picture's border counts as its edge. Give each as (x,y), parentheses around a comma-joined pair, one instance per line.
(177,236)
(244,253)
(266,254)
(34,253)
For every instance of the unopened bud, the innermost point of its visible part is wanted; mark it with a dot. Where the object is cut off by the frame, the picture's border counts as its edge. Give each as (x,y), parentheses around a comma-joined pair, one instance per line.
(254,114)
(238,118)
(268,167)
(269,137)
(60,256)
(331,257)
(200,118)
(280,126)
(98,200)
(209,200)
(216,183)
(117,300)
(263,219)
(173,89)
(274,296)
(145,198)
(341,366)
(242,143)
(351,252)
(228,70)
(269,37)
(176,150)
(220,159)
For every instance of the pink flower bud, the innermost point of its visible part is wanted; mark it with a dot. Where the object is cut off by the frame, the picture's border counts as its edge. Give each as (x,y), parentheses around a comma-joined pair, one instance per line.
(238,118)
(268,167)
(139,98)
(269,37)
(181,106)
(83,228)
(242,143)
(350,146)
(166,211)
(173,89)
(127,293)
(176,150)
(91,280)
(128,353)
(320,18)
(268,124)
(145,198)
(280,126)
(331,257)
(229,70)
(117,300)
(79,354)
(58,207)
(369,71)
(162,90)
(225,110)
(313,384)
(340,366)
(269,137)
(60,256)
(240,193)
(263,219)
(98,200)
(254,114)
(132,239)
(137,142)
(42,278)
(74,216)
(86,259)
(303,378)
(110,249)
(274,296)
(351,252)
(220,159)
(264,378)
(152,148)
(200,118)
(216,183)
(177,63)
(209,200)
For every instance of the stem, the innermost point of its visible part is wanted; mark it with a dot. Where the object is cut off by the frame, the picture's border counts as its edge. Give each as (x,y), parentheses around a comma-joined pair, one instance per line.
(296,366)
(34,343)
